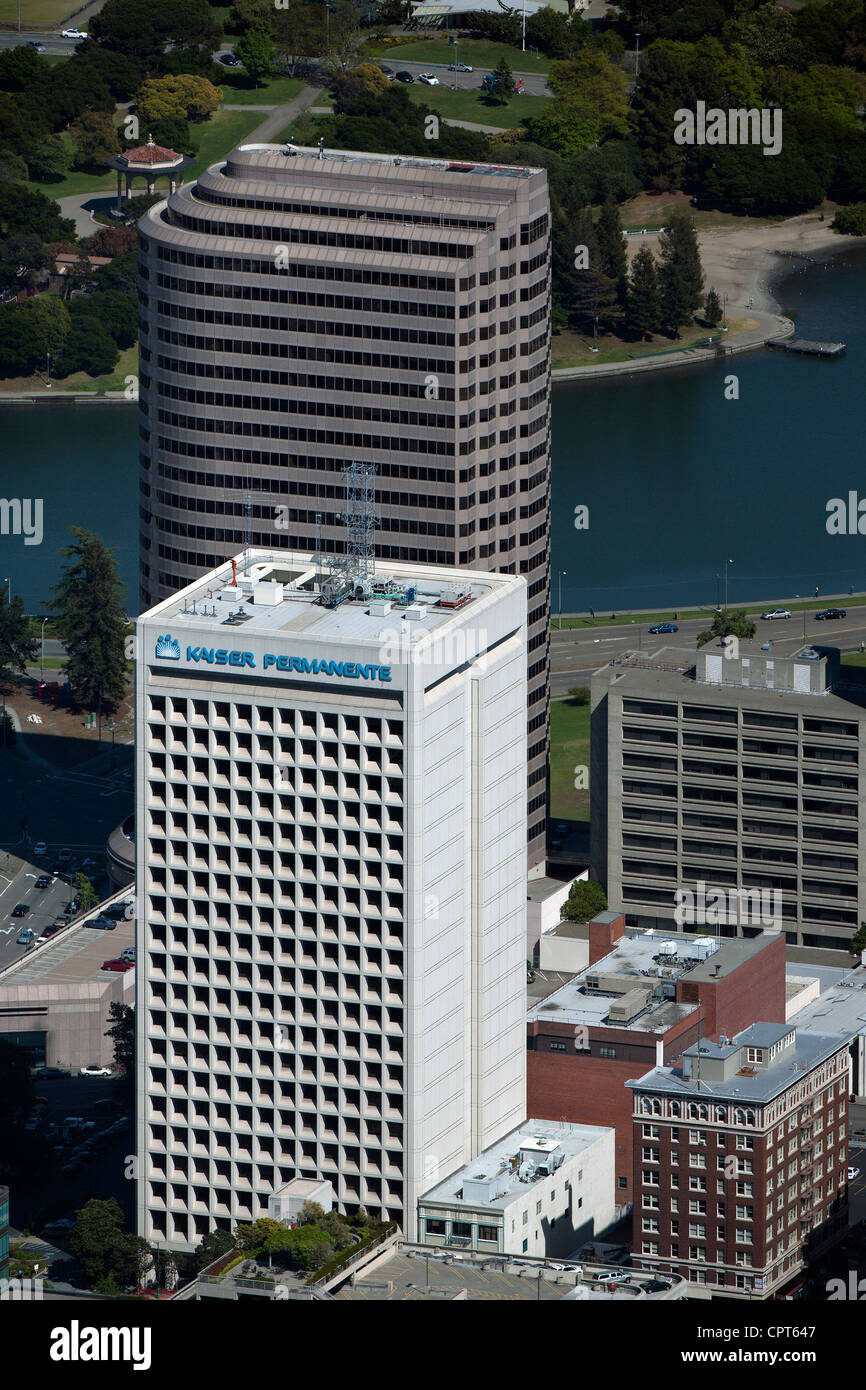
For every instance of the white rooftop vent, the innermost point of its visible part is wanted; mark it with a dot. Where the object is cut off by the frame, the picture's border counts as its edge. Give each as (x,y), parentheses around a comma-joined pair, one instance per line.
(667,948)
(268,592)
(416,612)
(380,607)
(230,594)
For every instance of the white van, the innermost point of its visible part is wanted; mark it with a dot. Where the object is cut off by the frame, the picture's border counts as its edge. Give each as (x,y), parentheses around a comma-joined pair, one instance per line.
(128,953)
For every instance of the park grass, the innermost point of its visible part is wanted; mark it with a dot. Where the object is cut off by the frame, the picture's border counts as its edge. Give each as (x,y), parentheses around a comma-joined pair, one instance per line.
(468,105)
(37,14)
(570,349)
(633,618)
(237,92)
(216,136)
(127,366)
(478,53)
(569,749)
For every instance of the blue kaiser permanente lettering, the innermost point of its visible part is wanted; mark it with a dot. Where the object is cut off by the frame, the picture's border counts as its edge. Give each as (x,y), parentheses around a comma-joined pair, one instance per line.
(168,648)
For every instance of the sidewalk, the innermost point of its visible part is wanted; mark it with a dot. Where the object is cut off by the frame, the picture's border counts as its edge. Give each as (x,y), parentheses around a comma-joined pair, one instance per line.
(699,610)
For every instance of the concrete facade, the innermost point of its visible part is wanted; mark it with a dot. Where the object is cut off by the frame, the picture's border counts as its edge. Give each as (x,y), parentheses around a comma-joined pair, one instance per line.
(739,772)
(299,311)
(543,1190)
(331,889)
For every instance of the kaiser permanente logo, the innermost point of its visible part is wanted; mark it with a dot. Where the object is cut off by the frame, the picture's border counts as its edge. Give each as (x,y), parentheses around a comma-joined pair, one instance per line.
(741,127)
(77,1343)
(168,649)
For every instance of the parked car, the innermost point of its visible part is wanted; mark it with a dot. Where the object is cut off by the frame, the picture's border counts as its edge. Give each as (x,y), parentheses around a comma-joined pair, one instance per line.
(405,77)
(34,43)
(853,1173)
(74,1121)
(73,34)
(117,911)
(460,67)
(826,613)
(655,1286)
(25,937)
(40,847)
(776,613)
(102,923)
(49,1073)
(44,881)
(64,1224)
(389,72)
(128,953)
(20,909)
(429,78)
(230,60)
(118,964)
(94,1071)
(610,1276)
(660,628)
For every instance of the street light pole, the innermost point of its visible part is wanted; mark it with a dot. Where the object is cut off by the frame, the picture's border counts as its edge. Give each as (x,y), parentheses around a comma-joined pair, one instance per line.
(727,562)
(637,57)
(561,573)
(8,583)
(523,39)
(42,658)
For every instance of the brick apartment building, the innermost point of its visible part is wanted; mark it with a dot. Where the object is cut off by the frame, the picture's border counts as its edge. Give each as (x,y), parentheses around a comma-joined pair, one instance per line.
(642,1001)
(304,309)
(740,1159)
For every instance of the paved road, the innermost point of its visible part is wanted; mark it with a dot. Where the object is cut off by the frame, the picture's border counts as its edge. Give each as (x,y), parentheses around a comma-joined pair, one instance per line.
(53,42)
(278,117)
(576,652)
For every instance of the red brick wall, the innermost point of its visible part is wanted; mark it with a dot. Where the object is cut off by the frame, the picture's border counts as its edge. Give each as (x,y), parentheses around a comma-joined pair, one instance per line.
(603,936)
(753,993)
(586,1091)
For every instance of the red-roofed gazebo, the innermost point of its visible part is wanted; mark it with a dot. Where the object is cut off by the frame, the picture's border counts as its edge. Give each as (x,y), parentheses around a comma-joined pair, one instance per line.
(149,162)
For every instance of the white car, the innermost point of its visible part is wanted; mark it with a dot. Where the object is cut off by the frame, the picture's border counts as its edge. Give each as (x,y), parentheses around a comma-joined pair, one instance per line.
(429,78)
(40,847)
(95,1071)
(73,34)
(610,1276)
(853,1173)
(776,613)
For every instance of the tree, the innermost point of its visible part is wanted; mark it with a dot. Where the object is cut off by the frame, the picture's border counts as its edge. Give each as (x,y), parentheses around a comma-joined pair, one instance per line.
(144,33)
(255,50)
(713,313)
(211,1246)
(90,621)
(49,160)
(83,888)
(88,348)
(47,318)
(185,95)
(122,1034)
(298,32)
(112,241)
(347,87)
(579,694)
(311,1214)
(611,247)
(343,35)
(100,1243)
(680,276)
(118,313)
(565,127)
(643,303)
(23,261)
(585,901)
(308,1247)
(728,622)
(597,86)
(557,35)
(173,133)
(858,940)
(24,210)
(18,648)
(501,89)
(851,220)
(95,138)
(12,167)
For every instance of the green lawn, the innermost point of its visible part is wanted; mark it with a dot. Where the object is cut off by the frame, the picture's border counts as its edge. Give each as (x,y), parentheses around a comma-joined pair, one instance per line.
(478,53)
(273,93)
(115,381)
(630,618)
(216,136)
(569,749)
(37,14)
(569,349)
(463,105)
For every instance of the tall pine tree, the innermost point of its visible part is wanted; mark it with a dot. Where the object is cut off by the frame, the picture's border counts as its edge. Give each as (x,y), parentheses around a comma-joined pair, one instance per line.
(91,622)
(644,302)
(681,278)
(611,245)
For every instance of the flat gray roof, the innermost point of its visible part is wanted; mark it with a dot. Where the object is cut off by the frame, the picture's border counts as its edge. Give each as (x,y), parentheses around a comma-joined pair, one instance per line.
(572,1139)
(808,1050)
(841,1007)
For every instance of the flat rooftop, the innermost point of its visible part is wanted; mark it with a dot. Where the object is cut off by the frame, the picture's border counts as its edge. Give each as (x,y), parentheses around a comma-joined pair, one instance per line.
(413,1278)
(456,167)
(75,955)
(808,1050)
(537,1135)
(635,956)
(841,1008)
(227,611)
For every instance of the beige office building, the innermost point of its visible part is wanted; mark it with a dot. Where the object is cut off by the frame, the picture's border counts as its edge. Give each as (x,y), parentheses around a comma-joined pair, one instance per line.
(301,310)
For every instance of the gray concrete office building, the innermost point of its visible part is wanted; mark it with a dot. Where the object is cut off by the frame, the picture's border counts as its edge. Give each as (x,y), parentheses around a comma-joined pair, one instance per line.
(737,771)
(304,310)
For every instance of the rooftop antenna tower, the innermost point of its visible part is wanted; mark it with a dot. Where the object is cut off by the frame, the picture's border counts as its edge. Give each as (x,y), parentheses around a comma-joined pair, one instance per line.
(361,520)
(248,531)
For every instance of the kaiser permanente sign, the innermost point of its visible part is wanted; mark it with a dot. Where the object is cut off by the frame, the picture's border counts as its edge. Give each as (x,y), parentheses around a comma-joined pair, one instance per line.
(168,649)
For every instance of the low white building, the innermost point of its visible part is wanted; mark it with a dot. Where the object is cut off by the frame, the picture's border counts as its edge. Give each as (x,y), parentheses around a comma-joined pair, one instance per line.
(544,1189)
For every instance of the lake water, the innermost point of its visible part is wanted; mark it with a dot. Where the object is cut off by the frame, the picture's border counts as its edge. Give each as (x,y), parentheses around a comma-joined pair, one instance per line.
(677,478)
